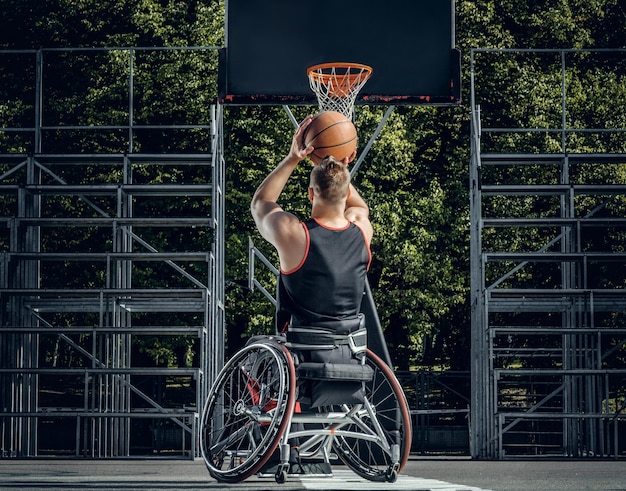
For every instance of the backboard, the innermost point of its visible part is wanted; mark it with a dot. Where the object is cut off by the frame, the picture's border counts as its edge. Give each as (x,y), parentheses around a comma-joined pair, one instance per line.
(269,44)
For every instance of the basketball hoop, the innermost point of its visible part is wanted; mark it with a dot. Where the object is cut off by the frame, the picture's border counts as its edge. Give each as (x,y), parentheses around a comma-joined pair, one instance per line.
(336,85)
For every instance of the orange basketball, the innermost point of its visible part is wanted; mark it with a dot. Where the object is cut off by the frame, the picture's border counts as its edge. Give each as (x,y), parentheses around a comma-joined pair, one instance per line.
(330,133)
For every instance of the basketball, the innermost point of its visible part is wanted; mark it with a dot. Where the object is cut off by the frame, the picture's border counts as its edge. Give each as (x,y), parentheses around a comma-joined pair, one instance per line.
(330,133)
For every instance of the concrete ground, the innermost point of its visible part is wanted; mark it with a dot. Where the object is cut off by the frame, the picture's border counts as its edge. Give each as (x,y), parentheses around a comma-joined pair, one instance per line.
(420,474)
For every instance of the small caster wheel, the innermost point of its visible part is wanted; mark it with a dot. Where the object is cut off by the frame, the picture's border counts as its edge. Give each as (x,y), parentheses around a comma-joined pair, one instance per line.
(392,474)
(281,476)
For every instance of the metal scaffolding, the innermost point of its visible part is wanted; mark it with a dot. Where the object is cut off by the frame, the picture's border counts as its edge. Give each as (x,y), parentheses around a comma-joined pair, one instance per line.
(73,380)
(547,286)
(548,273)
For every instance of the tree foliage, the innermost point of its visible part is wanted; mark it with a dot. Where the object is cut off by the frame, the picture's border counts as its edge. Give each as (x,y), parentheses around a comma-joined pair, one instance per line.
(414,177)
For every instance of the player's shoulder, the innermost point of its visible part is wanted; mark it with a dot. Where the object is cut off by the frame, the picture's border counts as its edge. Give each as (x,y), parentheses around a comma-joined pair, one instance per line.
(365,226)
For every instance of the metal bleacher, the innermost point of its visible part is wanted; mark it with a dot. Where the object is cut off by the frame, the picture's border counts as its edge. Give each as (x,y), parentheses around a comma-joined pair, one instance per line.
(145,231)
(548,273)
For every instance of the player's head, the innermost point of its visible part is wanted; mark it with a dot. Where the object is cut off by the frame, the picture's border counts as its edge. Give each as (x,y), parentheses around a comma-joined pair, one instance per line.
(330,180)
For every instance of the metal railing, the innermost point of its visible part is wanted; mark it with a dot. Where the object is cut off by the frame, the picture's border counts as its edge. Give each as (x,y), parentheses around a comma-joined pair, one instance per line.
(39,86)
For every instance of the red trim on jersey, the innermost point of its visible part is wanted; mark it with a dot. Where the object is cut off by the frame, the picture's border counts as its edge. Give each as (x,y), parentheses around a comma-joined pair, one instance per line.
(331,228)
(367,244)
(306,251)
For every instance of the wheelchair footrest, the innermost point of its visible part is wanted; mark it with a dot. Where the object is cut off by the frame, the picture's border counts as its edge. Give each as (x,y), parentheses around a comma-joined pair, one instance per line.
(312,469)
(304,469)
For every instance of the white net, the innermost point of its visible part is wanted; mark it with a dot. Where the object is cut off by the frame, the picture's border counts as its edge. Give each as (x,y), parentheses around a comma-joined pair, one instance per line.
(337,85)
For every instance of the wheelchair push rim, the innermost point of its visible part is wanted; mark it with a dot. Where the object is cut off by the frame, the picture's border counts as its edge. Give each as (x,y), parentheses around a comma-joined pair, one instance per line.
(247,411)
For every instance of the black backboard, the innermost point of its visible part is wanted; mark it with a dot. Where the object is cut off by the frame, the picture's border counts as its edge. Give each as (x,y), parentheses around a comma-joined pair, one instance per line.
(408,43)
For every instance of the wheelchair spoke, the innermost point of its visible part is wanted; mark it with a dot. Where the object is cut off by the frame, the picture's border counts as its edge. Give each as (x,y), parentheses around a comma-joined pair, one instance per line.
(247,411)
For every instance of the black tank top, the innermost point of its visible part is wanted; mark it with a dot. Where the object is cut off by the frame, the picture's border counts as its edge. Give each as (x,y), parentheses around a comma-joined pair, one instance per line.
(330,281)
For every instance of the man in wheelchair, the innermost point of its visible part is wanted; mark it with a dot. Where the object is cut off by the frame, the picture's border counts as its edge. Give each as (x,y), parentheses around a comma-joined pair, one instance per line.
(315,392)
(323,266)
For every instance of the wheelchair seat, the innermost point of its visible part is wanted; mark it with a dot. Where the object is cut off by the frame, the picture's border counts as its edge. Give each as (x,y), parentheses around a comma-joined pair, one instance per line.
(330,362)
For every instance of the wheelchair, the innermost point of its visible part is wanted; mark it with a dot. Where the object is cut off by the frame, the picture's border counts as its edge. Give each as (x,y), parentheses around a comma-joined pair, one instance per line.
(261,409)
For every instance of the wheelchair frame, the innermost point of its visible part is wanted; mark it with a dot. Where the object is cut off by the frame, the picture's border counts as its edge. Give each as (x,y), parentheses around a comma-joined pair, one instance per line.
(251,411)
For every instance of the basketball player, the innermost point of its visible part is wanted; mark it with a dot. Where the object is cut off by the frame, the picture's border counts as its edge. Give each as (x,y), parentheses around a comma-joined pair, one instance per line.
(324,260)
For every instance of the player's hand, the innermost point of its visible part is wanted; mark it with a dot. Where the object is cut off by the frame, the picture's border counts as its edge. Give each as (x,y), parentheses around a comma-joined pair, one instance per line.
(349,159)
(298,150)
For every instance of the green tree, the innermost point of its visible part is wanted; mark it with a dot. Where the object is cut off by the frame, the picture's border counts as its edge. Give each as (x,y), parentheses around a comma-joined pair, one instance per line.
(87,84)
(414,177)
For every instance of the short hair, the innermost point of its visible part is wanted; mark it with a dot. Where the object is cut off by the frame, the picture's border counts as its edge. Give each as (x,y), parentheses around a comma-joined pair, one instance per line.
(330,180)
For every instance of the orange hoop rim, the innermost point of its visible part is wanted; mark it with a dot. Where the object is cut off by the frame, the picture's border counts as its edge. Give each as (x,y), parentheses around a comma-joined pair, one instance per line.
(317,71)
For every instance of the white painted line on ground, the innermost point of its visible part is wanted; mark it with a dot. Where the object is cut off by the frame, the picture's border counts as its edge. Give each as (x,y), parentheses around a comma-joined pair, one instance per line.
(346,480)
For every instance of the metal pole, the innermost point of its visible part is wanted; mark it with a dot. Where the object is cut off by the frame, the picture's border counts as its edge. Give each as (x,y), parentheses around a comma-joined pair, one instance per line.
(131,98)
(38,101)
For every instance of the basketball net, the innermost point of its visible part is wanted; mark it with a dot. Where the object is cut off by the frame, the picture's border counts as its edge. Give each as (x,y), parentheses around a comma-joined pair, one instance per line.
(336,85)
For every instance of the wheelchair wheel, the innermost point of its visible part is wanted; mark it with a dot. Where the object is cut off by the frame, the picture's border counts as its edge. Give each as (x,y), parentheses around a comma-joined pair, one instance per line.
(368,459)
(247,411)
